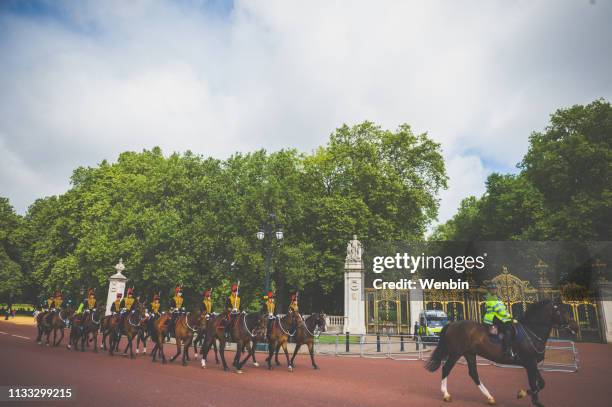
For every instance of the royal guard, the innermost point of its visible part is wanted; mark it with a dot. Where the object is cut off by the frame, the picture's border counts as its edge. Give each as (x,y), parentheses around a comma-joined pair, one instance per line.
(293,307)
(176,307)
(88,303)
(116,305)
(50,309)
(232,308)
(497,314)
(50,302)
(269,307)
(206,305)
(155,306)
(128,303)
(58,300)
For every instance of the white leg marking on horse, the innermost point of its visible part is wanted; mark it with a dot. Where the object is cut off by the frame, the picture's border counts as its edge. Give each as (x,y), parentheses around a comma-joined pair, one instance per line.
(137,351)
(144,350)
(203,363)
(444,387)
(484,391)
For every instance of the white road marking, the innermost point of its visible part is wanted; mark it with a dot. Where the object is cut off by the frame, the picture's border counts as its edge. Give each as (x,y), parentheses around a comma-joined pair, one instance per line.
(3,333)
(22,337)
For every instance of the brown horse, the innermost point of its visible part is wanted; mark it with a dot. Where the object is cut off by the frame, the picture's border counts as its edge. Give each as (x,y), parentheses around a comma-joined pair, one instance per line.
(130,325)
(279,336)
(84,326)
(184,328)
(109,327)
(248,329)
(306,332)
(59,321)
(158,329)
(469,339)
(200,338)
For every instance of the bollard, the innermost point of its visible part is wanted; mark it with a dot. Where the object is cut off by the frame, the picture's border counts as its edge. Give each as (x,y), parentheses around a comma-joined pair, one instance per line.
(347,342)
(377,342)
(401,342)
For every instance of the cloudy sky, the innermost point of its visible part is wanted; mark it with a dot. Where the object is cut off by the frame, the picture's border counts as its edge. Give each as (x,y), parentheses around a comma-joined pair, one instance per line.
(83,81)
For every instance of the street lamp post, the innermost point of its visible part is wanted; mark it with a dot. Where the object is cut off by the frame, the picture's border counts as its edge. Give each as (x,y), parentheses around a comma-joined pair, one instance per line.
(269,230)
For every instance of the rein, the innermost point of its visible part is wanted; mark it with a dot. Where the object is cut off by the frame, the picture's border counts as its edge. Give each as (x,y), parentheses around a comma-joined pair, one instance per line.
(187,322)
(529,335)
(246,327)
(283,329)
(137,324)
(93,320)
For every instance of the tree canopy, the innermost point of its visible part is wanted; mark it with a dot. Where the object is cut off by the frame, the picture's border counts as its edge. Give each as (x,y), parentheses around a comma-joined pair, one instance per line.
(189,220)
(563,191)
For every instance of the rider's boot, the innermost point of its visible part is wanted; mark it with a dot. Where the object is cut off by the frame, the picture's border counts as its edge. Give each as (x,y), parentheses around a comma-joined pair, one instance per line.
(507,343)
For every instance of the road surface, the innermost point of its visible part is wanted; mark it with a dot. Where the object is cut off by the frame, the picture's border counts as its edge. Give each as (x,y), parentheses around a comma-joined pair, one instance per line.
(101,380)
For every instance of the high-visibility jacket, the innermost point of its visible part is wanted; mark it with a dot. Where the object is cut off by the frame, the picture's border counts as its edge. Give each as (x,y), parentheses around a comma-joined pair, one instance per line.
(495,308)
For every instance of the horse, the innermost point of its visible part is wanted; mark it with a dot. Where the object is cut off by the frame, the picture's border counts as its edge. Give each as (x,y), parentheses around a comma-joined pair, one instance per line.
(143,334)
(200,338)
(470,338)
(86,325)
(247,328)
(158,329)
(279,336)
(41,325)
(109,328)
(130,325)
(184,328)
(306,332)
(59,321)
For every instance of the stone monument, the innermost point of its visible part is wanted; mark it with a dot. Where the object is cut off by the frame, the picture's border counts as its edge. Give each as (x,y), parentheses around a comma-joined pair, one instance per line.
(116,285)
(354,301)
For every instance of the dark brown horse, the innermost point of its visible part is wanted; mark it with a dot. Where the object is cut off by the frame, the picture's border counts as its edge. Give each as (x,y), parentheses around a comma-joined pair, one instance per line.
(86,325)
(130,326)
(109,327)
(306,332)
(200,338)
(158,329)
(48,322)
(469,339)
(247,330)
(279,335)
(185,327)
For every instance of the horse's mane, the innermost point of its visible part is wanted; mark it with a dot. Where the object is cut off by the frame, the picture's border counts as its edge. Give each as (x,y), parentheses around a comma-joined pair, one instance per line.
(534,310)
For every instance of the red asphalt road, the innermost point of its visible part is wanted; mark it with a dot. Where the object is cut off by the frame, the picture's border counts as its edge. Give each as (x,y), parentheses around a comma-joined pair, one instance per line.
(101,380)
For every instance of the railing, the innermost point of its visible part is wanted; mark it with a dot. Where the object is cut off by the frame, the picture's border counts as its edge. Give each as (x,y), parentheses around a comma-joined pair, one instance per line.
(334,323)
(562,356)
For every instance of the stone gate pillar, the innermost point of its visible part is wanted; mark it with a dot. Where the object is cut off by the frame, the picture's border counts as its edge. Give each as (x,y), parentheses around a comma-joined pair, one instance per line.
(354,300)
(116,285)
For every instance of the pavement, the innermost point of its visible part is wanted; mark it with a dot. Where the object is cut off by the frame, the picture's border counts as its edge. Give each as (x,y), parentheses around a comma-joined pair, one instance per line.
(102,380)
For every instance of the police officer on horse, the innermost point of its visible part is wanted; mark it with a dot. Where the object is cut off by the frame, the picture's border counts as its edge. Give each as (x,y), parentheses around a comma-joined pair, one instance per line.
(497,315)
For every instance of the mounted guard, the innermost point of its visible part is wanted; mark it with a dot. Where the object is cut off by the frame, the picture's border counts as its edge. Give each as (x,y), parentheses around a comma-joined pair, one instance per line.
(293,307)
(206,304)
(176,308)
(269,308)
(498,316)
(89,303)
(232,308)
(116,305)
(128,303)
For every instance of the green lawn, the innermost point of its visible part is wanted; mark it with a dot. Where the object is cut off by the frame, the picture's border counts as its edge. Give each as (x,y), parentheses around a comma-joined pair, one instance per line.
(331,339)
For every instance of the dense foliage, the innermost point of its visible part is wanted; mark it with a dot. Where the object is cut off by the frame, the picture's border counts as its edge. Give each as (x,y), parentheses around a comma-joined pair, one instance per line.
(190,220)
(563,191)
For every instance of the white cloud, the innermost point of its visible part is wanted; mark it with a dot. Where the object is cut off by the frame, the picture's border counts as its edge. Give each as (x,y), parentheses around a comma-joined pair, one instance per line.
(93,79)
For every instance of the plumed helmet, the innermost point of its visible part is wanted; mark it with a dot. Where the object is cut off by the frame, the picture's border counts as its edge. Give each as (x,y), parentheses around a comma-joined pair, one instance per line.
(129,292)
(177,290)
(234,287)
(156,297)
(119,295)
(90,291)
(207,293)
(270,294)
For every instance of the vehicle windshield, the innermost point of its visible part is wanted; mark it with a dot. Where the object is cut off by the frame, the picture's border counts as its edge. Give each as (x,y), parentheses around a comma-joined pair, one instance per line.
(435,322)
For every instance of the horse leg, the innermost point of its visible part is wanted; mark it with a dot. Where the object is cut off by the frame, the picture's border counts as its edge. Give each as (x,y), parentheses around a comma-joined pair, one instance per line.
(186,346)
(278,346)
(289,367)
(295,351)
(253,347)
(94,336)
(160,341)
(311,351)
(473,371)
(216,351)
(178,347)
(271,347)
(448,366)
(196,342)
(222,352)
(532,375)
(61,337)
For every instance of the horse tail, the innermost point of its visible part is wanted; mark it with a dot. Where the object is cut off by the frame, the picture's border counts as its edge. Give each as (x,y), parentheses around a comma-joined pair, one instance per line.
(439,354)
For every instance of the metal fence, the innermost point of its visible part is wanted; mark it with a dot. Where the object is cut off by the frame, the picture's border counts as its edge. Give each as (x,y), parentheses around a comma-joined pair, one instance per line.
(561,355)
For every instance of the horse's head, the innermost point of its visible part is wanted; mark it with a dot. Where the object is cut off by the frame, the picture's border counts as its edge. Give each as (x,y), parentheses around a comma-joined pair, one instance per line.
(561,319)
(320,322)
(261,326)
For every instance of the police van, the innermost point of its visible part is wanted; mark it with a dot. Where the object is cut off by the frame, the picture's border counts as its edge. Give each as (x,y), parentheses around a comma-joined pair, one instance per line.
(431,323)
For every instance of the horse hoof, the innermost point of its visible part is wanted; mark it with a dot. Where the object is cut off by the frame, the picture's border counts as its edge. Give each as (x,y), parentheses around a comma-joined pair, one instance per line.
(255,364)
(315,367)
(290,368)
(448,398)
(239,371)
(521,393)
(491,401)
(195,355)
(203,364)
